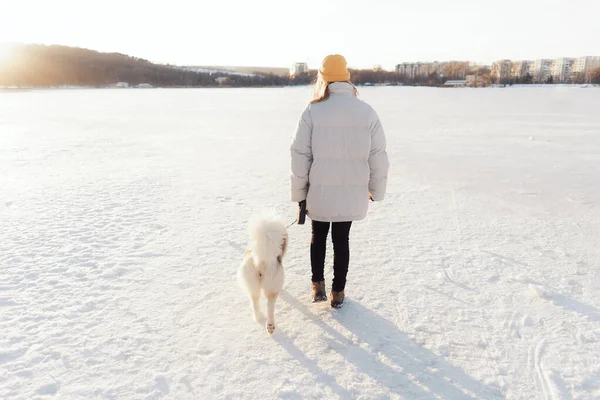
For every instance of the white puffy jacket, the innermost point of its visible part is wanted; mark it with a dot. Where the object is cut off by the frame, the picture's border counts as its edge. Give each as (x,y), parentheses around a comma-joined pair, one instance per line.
(339,157)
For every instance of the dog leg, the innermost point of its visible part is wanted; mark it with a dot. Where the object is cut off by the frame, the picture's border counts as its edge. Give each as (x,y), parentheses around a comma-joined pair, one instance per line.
(258,315)
(271,299)
(250,280)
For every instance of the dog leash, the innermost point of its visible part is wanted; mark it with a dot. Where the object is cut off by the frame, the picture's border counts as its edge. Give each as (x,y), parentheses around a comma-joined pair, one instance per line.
(291,224)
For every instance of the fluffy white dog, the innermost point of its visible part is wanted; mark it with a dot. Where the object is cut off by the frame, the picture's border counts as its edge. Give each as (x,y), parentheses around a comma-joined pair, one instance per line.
(262,266)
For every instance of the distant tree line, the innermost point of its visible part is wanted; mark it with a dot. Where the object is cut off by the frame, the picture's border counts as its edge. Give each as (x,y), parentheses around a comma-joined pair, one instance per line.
(52,66)
(262,80)
(523,80)
(373,76)
(595,76)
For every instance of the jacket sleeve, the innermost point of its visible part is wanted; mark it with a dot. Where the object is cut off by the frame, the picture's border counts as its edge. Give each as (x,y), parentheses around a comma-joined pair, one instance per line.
(378,161)
(301,157)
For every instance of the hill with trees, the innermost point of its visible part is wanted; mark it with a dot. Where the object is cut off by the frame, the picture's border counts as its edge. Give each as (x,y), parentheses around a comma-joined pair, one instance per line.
(54,66)
(47,66)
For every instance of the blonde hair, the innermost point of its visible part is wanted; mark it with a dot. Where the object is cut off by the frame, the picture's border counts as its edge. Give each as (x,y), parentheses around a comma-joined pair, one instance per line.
(321,90)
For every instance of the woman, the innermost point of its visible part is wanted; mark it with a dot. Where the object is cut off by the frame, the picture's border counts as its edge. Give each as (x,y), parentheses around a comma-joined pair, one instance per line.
(339,162)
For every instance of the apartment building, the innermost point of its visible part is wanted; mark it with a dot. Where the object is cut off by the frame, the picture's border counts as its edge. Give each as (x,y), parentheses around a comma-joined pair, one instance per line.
(585,65)
(562,69)
(541,70)
(501,69)
(299,69)
(408,70)
(520,69)
(458,69)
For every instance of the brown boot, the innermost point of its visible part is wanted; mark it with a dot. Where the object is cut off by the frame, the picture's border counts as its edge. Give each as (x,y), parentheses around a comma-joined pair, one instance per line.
(318,292)
(337,299)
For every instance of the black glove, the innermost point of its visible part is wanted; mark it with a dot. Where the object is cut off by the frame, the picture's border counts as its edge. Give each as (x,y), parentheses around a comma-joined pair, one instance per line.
(301,212)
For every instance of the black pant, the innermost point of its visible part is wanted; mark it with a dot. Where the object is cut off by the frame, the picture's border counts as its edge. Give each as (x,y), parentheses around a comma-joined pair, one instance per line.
(341,252)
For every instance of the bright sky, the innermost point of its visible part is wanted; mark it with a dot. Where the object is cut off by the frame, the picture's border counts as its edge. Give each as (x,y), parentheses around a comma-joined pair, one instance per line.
(278,33)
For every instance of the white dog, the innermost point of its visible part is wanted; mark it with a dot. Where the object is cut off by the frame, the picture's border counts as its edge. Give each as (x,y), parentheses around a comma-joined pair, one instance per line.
(262,266)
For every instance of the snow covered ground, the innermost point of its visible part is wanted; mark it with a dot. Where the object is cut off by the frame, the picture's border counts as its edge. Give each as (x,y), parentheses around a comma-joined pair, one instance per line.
(123,217)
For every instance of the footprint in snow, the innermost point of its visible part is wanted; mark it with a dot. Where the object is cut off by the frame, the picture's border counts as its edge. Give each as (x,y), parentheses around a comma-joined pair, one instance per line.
(162,384)
(49,389)
(6,302)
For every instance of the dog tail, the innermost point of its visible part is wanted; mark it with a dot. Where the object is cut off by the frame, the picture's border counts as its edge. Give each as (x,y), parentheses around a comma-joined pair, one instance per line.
(268,237)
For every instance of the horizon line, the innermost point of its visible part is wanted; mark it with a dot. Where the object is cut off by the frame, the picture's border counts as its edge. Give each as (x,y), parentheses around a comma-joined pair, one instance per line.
(280,66)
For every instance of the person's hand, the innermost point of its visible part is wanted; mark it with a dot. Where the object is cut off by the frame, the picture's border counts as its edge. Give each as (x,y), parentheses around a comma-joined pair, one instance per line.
(301,212)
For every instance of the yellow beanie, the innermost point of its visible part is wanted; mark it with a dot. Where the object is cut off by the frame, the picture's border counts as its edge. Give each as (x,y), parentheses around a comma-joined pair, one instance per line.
(333,69)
